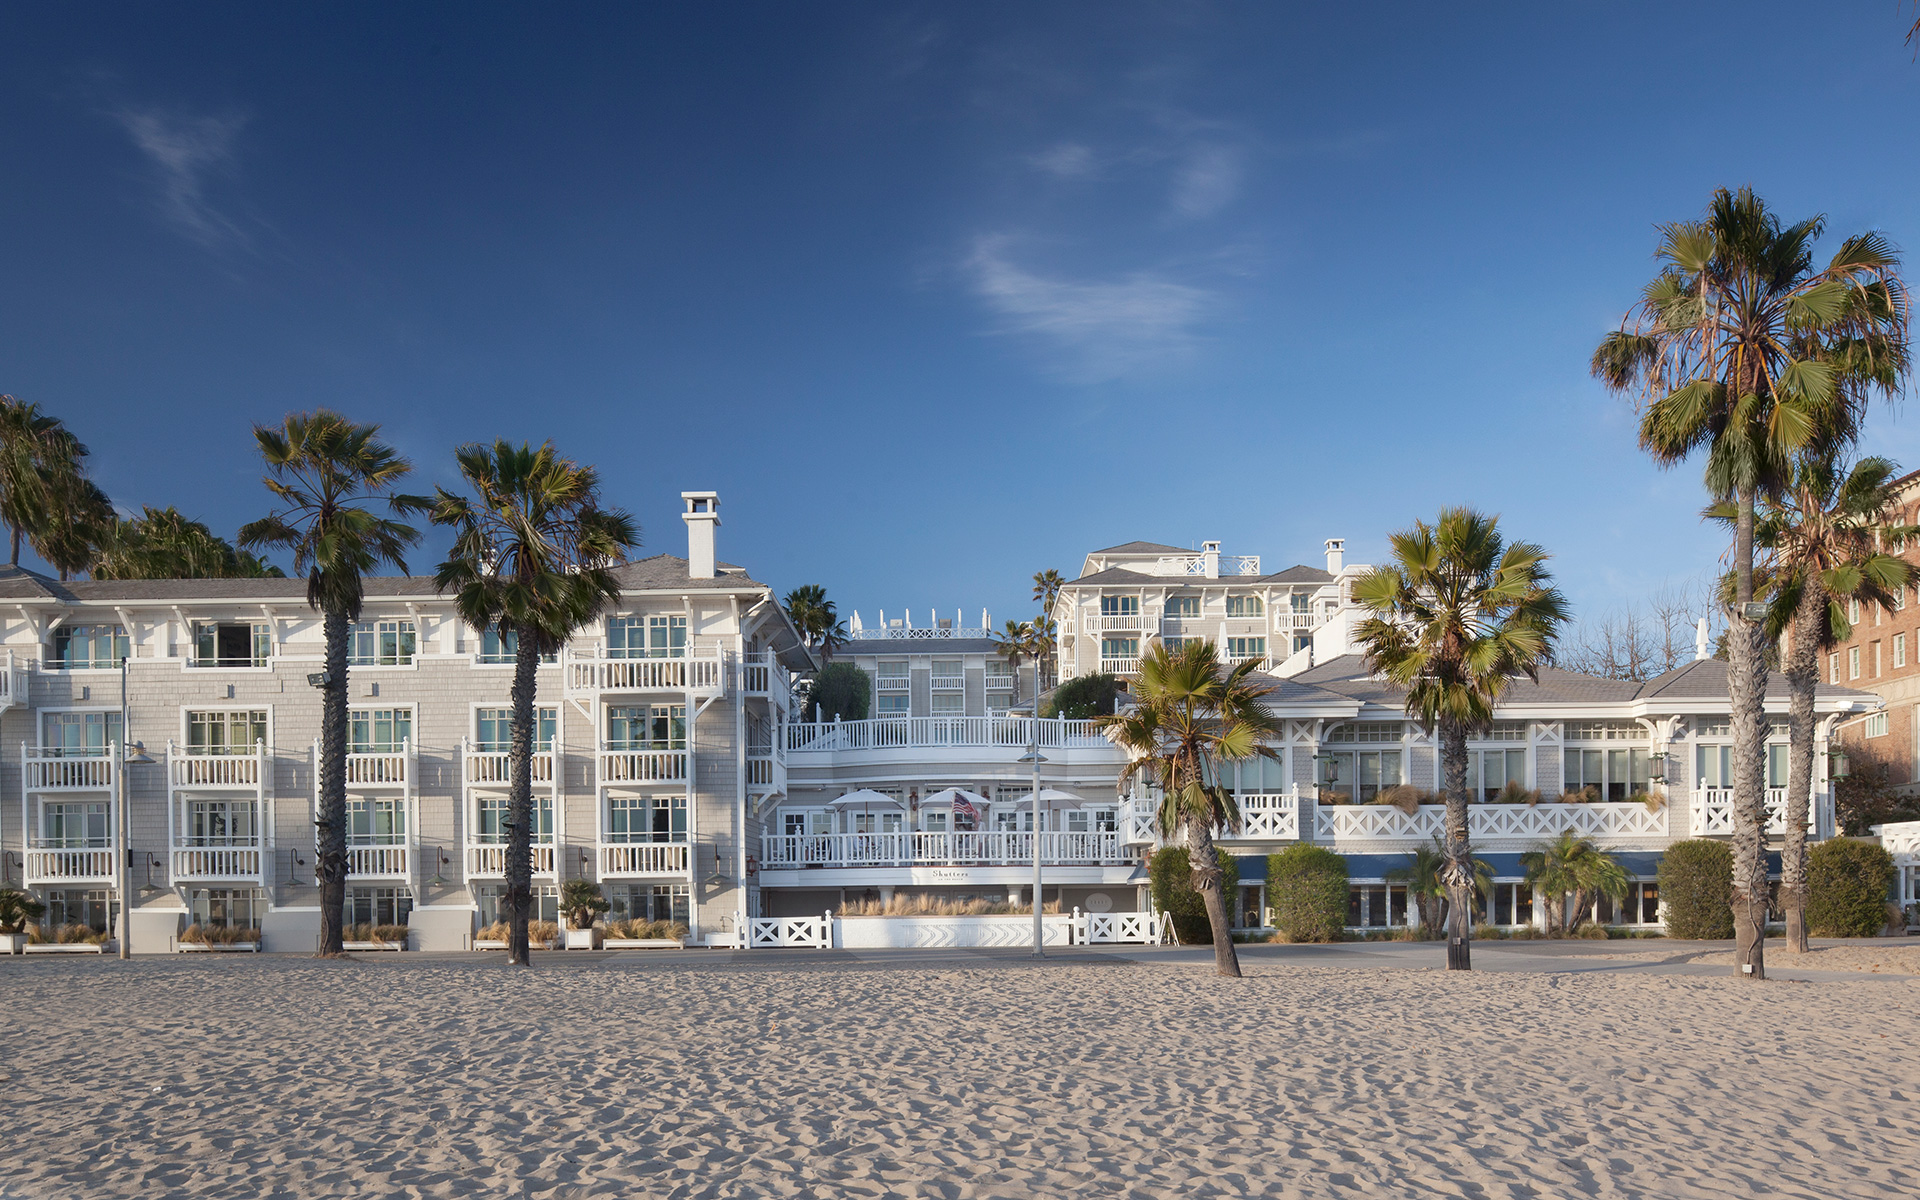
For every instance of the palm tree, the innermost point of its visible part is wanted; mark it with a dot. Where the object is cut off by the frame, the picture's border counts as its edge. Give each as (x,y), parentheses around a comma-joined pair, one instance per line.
(1741,348)
(1425,887)
(1046,631)
(1571,865)
(79,520)
(1827,535)
(816,619)
(1014,643)
(35,451)
(163,543)
(1190,720)
(533,556)
(329,475)
(1455,616)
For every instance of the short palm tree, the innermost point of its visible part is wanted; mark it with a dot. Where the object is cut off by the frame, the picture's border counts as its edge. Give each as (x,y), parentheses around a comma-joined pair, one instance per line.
(79,521)
(163,543)
(1828,535)
(1455,616)
(1572,866)
(1741,347)
(1190,720)
(533,556)
(1423,877)
(816,619)
(1014,643)
(330,476)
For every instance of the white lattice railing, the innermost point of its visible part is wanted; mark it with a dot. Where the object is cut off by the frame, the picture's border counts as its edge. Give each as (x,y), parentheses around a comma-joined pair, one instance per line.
(644,858)
(924,848)
(891,733)
(1901,839)
(1268,815)
(89,865)
(496,766)
(1133,928)
(644,766)
(693,673)
(812,932)
(216,862)
(489,859)
(1376,822)
(1347,823)
(387,862)
(1711,813)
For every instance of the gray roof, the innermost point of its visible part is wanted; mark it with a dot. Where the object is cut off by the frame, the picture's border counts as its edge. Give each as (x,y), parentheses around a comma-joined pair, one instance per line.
(1707,677)
(1294,691)
(1144,548)
(1703,679)
(1136,578)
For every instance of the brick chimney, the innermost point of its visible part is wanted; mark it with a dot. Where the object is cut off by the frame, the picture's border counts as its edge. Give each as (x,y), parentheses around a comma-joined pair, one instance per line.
(702,515)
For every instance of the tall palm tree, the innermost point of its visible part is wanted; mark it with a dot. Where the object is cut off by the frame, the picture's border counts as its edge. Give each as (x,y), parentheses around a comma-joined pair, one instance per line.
(533,556)
(1046,630)
(1014,643)
(1426,887)
(35,451)
(816,619)
(329,475)
(1455,616)
(163,543)
(1741,347)
(1571,865)
(1827,534)
(1191,719)
(79,520)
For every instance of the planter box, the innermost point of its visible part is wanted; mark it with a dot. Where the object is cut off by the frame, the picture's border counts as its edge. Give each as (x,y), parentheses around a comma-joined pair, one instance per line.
(69,948)
(491,944)
(373,945)
(643,944)
(581,939)
(220,948)
(13,943)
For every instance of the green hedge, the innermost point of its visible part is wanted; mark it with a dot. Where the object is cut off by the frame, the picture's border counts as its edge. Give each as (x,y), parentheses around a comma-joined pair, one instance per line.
(1171,878)
(1847,885)
(1084,697)
(1307,891)
(840,690)
(1696,885)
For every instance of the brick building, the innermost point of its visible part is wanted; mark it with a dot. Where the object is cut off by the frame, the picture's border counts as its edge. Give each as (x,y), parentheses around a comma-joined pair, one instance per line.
(1883,657)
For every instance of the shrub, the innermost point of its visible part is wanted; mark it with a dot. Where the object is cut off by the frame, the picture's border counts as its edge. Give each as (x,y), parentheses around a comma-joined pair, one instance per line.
(18,910)
(1847,888)
(840,690)
(539,933)
(1696,884)
(581,900)
(1084,697)
(1171,877)
(647,930)
(207,935)
(1307,890)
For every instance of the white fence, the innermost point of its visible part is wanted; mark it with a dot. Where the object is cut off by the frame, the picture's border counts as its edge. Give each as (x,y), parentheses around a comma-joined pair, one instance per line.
(922,848)
(216,862)
(815,932)
(984,932)
(490,859)
(496,766)
(1712,812)
(644,858)
(890,733)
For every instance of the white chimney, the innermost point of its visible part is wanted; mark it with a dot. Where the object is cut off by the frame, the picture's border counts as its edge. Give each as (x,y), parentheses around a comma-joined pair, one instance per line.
(1210,559)
(703,513)
(1336,554)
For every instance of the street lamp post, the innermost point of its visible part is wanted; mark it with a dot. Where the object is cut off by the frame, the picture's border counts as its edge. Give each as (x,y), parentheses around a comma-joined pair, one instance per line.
(1033,756)
(125,755)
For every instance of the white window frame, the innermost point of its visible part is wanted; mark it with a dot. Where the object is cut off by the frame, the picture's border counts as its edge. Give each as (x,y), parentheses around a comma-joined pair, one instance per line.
(374,634)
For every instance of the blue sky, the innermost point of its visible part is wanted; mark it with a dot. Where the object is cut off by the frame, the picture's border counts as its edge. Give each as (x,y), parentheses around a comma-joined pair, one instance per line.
(934,296)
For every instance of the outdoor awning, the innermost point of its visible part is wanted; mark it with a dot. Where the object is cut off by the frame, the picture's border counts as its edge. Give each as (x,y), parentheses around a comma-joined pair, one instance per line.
(865,798)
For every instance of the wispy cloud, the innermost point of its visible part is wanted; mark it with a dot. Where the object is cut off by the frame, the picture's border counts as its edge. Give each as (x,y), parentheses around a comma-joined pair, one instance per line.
(1068,160)
(1207,182)
(1100,329)
(186,153)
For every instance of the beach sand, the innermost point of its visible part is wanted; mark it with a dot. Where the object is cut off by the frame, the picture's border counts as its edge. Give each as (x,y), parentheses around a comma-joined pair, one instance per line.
(414,1077)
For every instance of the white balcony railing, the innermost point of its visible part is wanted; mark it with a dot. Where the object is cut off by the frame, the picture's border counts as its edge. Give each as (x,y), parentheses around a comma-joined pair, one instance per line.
(388,862)
(1119,666)
(60,865)
(891,733)
(496,766)
(762,675)
(1346,823)
(644,858)
(1295,620)
(387,769)
(644,766)
(766,773)
(53,773)
(999,848)
(216,770)
(1122,623)
(949,683)
(1711,813)
(192,863)
(1269,815)
(489,859)
(693,673)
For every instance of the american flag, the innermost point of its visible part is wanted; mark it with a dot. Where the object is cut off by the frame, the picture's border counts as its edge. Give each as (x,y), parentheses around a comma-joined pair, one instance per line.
(963,808)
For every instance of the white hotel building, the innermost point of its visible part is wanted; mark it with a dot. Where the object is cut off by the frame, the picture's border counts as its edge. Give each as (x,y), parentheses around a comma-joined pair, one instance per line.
(679,777)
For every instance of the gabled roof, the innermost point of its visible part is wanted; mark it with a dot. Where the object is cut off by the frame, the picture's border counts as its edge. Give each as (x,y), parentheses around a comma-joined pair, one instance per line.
(1144,548)
(1704,679)
(1707,678)
(1294,574)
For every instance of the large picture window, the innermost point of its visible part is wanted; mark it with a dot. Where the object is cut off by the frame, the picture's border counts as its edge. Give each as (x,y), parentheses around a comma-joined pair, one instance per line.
(379,730)
(647,818)
(74,824)
(79,734)
(376,821)
(1246,606)
(647,727)
(232,644)
(1183,606)
(88,647)
(381,644)
(490,822)
(502,648)
(226,731)
(663,636)
(494,729)
(221,823)
(1612,775)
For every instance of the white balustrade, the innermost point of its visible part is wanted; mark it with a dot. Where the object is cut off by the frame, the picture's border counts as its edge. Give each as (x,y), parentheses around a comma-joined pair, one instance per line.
(55,774)
(1298,620)
(701,673)
(1901,839)
(644,858)
(496,766)
(1346,823)
(762,675)
(385,861)
(644,766)
(987,848)
(1369,822)
(216,770)
(1119,666)
(1268,815)
(490,859)
(889,733)
(89,865)
(949,683)
(387,769)
(216,862)
(1123,623)
(761,772)
(1711,813)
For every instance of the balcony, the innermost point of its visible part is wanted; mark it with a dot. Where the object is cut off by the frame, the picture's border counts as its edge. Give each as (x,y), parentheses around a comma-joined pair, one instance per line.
(1001,848)
(193,864)
(644,858)
(189,770)
(66,773)
(893,733)
(69,865)
(1711,813)
(13,684)
(949,683)
(488,860)
(382,769)
(495,767)
(1115,623)
(645,766)
(1119,666)
(762,675)
(766,772)
(380,862)
(591,676)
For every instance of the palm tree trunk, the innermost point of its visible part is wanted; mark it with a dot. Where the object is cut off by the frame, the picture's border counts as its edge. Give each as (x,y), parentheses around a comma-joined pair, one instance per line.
(526,665)
(14,559)
(1747,686)
(1803,674)
(330,841)
(1205,863)
(1457,873)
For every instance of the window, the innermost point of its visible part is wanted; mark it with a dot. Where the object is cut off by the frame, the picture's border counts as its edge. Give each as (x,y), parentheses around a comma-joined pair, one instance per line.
(1505,731)
(1257,775)
(1876,659)
(1713,766)
(74,825)
(490,825)
(1300,602)
(1365,731)
(381,644)
(222,823)
(1613,775)
(376,821)
(1876,725)
(379,730)
(1119,606)
(647,727)
(1359,776)
(1246,647)
(1606,731)
(226,732)
(1853,662)
(1119,648)
(228,908)
(88,647)
(1301,641)
(1777,765)
(806,822)
(544,903)
(893,677)
(499,647)
(999,673)
(898,705)
(1900,597)
(948,673)
(378,906)
(949,704)
(1183,606)
(494,732)
(1833,668)
(1853,611)
(1899,650)
(1180,643)
(663,636)
(1640,906)
(647,818)
(1490,772)
(1245,606)
(232,644)
(79,734)
(1511,904)
(652,902)
(94,908)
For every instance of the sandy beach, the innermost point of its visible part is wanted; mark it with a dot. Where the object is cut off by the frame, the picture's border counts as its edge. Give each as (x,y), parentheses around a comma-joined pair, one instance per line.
(970,1077)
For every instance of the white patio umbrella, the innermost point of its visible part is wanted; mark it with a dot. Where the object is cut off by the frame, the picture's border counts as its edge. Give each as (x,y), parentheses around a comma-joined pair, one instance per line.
(864,800)
(947,796)
(1050,798)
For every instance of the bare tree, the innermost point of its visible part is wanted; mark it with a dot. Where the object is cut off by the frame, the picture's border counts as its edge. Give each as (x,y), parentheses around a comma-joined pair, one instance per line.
(1644,639)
